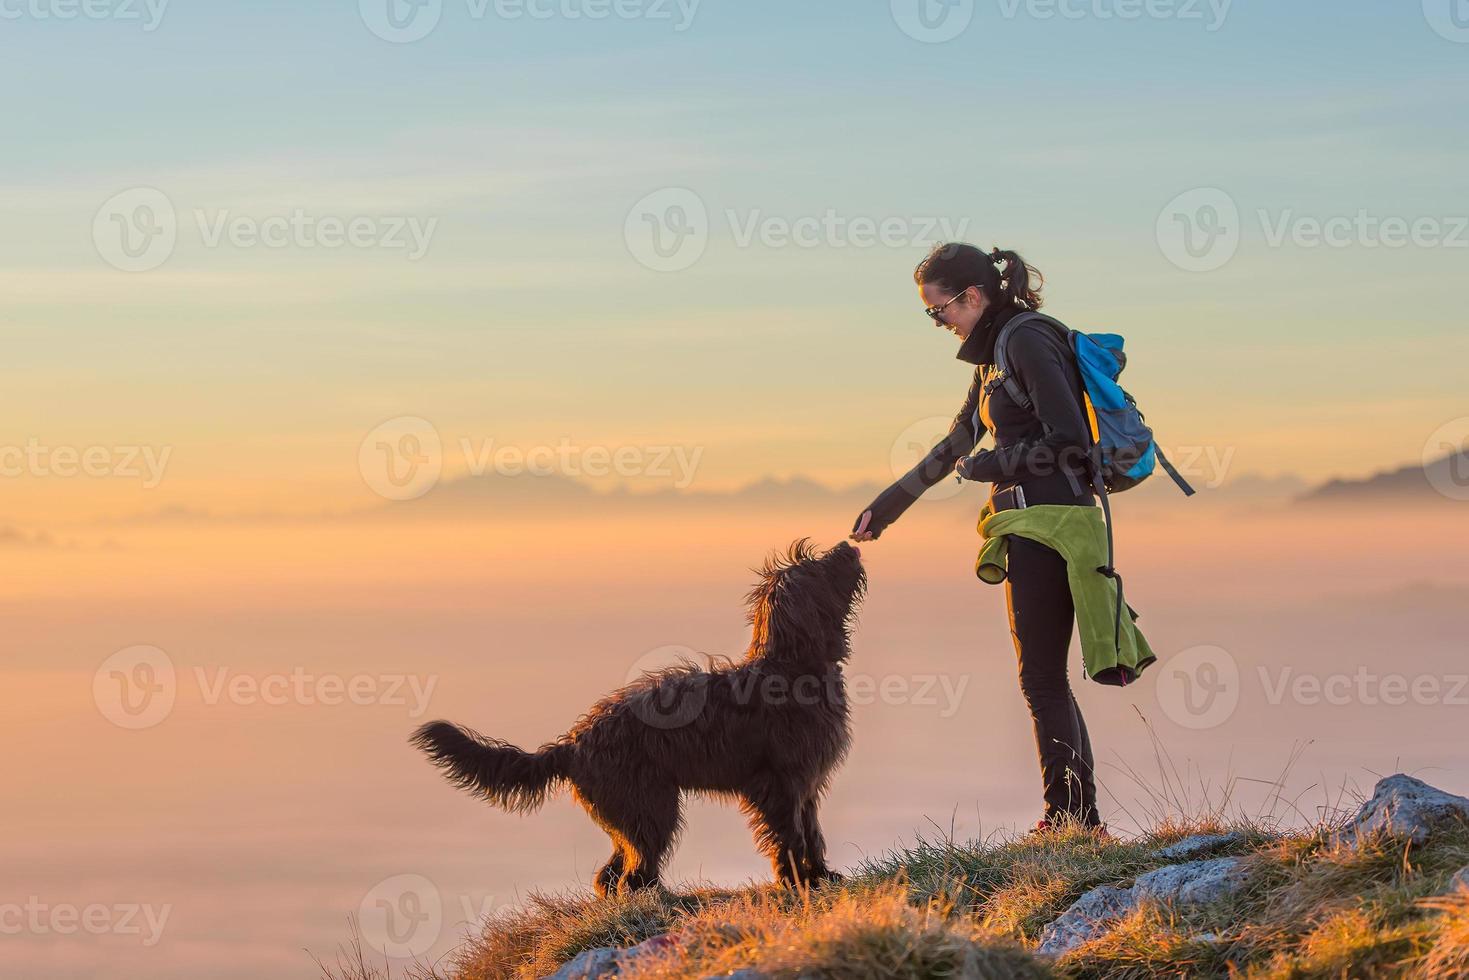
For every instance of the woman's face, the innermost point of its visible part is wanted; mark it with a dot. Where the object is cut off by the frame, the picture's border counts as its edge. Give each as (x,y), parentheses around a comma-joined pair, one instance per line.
(960,316)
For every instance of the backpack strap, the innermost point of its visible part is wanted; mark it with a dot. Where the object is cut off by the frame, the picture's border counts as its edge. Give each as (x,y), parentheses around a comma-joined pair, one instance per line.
(1002,362)
(1011,383)
(1168,467)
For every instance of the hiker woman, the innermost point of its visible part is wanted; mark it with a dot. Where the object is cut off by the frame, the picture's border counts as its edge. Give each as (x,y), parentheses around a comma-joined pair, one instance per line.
(1040,458)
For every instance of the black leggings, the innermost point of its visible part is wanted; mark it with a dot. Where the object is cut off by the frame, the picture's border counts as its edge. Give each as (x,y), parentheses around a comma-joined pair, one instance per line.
(1041,616)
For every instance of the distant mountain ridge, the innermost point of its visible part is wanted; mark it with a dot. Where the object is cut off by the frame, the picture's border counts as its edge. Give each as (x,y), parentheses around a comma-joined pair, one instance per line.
(480,496)
(1405,484)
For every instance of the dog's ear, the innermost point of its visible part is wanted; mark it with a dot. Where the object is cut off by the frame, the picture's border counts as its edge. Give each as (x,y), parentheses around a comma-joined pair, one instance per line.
(783,613)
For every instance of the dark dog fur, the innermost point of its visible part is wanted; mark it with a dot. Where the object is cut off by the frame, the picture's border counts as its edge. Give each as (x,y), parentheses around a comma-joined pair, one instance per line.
(767,731)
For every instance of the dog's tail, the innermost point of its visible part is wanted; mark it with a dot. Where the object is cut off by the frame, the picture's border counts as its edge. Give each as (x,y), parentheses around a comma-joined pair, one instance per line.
(497,771)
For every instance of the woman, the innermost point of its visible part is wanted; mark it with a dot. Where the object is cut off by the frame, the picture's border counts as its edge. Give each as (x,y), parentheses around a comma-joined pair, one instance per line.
(1040,458)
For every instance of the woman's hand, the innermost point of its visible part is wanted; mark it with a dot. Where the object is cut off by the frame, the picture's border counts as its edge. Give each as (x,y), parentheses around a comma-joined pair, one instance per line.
(964,467)
(860,532)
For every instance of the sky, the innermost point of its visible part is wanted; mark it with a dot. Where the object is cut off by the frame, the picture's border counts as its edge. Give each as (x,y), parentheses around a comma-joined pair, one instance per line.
(523,148)
(278,280)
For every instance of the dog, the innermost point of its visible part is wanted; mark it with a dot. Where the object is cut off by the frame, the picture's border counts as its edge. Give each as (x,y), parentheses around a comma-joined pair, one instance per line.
(766,732)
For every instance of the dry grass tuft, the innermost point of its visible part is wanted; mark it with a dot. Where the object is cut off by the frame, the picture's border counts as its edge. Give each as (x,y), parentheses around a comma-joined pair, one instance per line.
(838,934)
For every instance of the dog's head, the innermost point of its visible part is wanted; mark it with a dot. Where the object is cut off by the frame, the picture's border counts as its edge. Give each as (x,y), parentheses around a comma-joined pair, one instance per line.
(803,605)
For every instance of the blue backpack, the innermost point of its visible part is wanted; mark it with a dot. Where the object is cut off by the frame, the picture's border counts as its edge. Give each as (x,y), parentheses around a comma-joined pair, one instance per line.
(1123,452)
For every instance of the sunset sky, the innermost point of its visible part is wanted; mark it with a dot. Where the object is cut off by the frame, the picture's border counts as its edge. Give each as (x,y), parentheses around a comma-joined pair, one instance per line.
(526,143)
(277,275)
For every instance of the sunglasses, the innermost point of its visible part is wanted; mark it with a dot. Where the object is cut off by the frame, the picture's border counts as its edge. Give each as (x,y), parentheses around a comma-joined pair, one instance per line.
(936,313)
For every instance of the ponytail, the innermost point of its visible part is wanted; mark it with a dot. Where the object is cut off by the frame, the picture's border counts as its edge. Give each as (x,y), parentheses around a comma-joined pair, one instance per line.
(956,266)
(1016,280)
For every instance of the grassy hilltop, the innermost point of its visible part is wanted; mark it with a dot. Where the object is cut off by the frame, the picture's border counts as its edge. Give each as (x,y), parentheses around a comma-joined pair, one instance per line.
(1309,905)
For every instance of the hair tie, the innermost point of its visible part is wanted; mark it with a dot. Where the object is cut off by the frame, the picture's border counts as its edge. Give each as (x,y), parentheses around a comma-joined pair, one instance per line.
(996,257)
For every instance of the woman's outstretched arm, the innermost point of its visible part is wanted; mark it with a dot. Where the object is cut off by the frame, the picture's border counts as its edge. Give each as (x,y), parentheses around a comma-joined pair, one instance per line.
(889,505)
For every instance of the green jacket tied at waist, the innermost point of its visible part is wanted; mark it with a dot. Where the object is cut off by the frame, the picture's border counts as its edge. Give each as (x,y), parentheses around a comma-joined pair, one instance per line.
(1112,655)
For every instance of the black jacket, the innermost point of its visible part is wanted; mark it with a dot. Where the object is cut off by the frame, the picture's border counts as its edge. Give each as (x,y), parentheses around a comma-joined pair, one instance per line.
(1041,448)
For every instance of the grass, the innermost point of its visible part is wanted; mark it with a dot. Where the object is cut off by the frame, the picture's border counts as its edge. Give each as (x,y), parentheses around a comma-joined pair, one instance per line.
(976,910)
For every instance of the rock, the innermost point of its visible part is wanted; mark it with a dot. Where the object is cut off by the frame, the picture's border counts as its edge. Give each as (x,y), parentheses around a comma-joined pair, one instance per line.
(589,964)
(745,974)
(1404,808)
(1199,845)
(1193,883)
(1087,918)
(607,961)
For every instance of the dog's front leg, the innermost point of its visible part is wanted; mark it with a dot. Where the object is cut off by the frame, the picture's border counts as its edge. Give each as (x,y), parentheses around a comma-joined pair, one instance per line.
(816,868)
(610,874)
(776,819)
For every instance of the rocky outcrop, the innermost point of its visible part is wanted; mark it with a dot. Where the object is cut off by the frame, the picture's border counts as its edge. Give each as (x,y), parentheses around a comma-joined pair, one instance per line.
(1199,845)
(607,961)
(1405,809)
(1191,883)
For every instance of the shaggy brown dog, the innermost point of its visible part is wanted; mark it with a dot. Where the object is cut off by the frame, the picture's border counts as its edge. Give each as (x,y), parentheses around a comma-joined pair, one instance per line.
(767,731)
